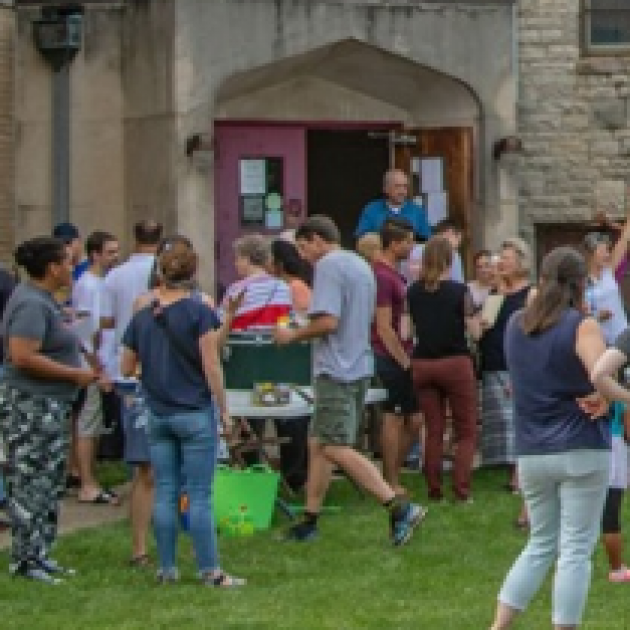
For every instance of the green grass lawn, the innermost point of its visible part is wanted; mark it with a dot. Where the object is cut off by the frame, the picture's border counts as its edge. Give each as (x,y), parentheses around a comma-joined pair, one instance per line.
(350,577)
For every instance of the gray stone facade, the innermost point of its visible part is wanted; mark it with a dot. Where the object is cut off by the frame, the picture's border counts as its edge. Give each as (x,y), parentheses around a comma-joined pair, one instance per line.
(152,73)
(7,133)
(573,119)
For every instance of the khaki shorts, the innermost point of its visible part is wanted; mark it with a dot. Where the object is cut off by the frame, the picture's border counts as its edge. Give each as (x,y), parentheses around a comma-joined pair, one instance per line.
(338,410)
(90,418)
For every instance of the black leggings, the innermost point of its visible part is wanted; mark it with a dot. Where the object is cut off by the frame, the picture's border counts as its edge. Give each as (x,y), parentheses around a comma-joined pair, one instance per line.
(611,518)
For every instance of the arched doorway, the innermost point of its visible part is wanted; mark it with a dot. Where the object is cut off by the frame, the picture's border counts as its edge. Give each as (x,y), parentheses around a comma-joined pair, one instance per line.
(329,123)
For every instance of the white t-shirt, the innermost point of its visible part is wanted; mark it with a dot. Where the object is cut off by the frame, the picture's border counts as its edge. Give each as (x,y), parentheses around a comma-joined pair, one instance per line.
(479,293)
(122,286)
(604,295)
(86,296)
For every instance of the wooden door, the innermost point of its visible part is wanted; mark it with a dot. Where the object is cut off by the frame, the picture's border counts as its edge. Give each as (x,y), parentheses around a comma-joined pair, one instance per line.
(454,145)
(260,172)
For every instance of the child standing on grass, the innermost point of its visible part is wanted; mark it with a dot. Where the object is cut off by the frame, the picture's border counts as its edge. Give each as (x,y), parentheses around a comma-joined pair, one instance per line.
(611,521)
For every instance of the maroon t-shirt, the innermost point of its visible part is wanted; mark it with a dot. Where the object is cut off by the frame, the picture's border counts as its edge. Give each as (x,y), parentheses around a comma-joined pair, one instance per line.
(391,291)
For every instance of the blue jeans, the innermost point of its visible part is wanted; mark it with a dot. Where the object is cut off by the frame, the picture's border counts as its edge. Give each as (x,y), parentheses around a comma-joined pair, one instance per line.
(184,445)
(3,496)
(564,494)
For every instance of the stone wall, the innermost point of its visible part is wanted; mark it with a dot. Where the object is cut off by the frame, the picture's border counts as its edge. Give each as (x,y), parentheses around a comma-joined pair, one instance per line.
(151,72)
(148,75)
(470,42)
(572,118)
(97,166)
(7,154)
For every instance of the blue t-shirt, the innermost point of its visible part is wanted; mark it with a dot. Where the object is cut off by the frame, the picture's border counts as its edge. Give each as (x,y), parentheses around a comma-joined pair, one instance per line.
(171,383)
(78,270)
(376,212)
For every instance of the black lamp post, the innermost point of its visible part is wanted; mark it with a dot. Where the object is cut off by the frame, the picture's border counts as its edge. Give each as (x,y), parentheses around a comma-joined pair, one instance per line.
(58,36)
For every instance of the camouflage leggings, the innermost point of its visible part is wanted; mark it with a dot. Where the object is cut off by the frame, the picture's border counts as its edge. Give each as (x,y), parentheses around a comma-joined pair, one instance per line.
(35,431)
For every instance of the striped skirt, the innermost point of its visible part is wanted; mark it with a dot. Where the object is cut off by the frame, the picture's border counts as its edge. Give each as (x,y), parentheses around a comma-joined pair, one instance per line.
(497,420)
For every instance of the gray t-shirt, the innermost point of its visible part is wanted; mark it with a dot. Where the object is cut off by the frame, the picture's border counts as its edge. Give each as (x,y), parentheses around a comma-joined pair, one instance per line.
(32,313)
(344,287)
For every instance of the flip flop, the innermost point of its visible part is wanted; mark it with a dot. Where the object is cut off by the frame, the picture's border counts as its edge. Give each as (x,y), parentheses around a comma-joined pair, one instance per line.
(104,497)
(142,561)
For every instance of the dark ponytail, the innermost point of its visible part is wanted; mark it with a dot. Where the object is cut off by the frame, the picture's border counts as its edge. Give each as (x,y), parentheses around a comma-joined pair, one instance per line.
(37,253)
(562,286)
(286,255)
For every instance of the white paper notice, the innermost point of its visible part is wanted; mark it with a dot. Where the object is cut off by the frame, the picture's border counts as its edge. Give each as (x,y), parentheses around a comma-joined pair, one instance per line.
(437,206)
(253,179)
(431,175)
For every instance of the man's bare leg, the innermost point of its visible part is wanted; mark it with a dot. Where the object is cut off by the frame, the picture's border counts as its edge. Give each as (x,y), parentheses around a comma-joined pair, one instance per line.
(320,471)
(90,488)
(85,459)
(361,469)
(393,440)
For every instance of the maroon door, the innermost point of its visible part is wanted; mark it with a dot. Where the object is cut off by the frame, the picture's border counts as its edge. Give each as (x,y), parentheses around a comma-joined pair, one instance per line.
(260,185)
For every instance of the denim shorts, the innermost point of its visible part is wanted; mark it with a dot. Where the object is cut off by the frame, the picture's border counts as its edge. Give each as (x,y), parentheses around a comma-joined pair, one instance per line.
(135,415)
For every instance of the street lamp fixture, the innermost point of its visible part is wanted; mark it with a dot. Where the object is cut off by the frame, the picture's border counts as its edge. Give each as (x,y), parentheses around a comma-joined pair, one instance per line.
(58,34)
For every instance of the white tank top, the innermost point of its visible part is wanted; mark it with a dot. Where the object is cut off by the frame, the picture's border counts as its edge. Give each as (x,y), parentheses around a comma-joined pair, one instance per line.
(604,295)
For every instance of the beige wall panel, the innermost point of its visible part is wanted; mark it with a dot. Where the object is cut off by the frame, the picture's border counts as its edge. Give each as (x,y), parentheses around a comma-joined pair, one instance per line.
(7,145)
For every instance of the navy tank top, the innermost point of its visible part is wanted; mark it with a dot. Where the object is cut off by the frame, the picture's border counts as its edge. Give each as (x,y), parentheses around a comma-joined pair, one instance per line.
(547,376)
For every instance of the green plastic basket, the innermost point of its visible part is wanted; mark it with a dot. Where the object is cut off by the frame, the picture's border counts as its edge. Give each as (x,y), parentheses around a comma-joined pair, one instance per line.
(252,491)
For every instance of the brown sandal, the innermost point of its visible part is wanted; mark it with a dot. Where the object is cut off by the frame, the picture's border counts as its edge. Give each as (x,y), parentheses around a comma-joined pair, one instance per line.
(142,561)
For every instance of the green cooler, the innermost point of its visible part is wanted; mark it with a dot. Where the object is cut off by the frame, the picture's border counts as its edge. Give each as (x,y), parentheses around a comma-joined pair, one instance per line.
(250,358)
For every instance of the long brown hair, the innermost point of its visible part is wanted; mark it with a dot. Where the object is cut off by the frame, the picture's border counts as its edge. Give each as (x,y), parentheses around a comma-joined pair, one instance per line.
(437,257)
(562,283)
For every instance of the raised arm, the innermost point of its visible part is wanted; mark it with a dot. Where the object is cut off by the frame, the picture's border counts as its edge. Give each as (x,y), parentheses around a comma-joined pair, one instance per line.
(620,248)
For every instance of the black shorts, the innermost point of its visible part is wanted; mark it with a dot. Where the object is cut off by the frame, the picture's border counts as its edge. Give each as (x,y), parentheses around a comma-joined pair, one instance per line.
(611,518)
(401,398)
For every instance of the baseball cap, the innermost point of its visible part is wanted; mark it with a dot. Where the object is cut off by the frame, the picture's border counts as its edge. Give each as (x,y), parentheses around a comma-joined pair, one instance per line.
(66,232)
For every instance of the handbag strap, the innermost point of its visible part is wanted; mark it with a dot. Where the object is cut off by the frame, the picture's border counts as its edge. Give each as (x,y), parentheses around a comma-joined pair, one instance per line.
(183,351)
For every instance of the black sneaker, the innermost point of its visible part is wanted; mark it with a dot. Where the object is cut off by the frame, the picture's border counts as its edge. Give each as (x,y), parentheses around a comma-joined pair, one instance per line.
(403,525)
(33,572)
(301,532)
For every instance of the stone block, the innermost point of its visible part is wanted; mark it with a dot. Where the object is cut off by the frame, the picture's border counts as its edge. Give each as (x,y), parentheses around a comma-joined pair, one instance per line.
(604,147)
(610,113)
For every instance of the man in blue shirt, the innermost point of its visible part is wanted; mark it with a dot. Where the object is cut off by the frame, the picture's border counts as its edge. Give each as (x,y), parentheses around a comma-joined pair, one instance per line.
(395,204)
(69,234)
